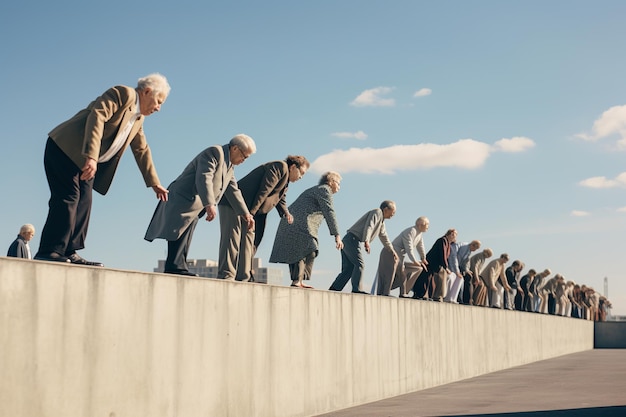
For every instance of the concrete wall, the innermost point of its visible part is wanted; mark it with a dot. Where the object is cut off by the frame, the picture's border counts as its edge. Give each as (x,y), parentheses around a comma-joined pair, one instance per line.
(610,335)
(79,341)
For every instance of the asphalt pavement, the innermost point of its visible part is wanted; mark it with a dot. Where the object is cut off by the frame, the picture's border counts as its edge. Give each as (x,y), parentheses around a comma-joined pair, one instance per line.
(590,383)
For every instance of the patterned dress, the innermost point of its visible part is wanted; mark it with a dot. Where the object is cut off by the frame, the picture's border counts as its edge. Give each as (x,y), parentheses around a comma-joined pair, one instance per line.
(295,241)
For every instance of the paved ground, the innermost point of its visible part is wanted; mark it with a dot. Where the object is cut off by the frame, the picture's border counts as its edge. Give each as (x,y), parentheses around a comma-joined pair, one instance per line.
(591,383)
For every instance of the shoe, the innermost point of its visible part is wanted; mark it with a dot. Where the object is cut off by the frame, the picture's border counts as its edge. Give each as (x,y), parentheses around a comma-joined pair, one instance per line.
(77,260)
(51,257)
(182,272)
(360,292)
(404,296)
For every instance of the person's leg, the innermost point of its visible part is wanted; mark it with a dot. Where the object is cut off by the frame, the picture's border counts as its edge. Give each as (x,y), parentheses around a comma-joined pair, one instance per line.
(63,179)
(230,237)
(386,272)
(177,250)
(350,243)
(81,223)
(411,273)
(247,250)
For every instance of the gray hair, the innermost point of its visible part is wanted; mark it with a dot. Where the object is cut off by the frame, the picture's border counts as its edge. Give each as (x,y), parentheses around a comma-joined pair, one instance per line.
(329,176)
(243,142)
(156,82)
(27,228)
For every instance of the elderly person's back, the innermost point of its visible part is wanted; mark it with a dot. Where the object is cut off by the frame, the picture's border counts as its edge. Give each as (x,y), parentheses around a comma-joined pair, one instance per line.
(296,244)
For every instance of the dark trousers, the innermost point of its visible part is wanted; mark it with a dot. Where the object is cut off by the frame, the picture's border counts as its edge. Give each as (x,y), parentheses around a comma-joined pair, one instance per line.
(177,250)
(66,226)
(352,265)
(468,289)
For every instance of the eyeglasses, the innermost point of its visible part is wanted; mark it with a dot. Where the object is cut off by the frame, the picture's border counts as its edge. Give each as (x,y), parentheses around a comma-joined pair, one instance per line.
(243,155)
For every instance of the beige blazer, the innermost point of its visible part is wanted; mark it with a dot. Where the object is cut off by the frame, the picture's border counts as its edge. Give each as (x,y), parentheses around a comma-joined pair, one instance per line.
(203,182)
(90,133)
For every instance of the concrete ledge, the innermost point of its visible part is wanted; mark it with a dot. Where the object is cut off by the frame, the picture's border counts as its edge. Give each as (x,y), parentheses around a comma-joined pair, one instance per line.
(80,341)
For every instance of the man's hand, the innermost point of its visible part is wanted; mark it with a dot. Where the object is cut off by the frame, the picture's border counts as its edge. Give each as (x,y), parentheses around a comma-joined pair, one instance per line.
(249,219)
(211,212)
(289,218)
(161,193)
(367,247)
(338,242)
(89,169)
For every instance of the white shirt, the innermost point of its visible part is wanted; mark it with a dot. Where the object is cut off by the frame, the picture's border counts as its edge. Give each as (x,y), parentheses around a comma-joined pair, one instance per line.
(121,137)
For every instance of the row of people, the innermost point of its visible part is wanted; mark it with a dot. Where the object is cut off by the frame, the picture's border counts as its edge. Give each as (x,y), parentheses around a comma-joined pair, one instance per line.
(82,154)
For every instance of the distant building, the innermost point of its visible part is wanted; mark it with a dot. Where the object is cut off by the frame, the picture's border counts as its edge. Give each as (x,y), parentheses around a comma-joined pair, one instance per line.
(208,268)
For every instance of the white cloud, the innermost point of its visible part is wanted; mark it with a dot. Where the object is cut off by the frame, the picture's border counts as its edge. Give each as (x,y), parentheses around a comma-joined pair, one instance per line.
(622,209)
(579,213)
(604,182)
(360,135)
(373,98)
(423,92)
(612,122)
(465,154)
(516,144)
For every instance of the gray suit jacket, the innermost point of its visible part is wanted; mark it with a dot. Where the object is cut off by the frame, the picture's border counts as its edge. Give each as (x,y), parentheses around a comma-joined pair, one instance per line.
(205,180)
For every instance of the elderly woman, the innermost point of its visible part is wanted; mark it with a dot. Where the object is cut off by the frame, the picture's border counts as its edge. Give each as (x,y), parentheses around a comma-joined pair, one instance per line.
(296,243)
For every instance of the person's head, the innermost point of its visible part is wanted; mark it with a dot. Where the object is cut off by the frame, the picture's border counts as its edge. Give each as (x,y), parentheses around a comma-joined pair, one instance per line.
(241,147)
(422,223)
(332,179)
(27,232)
(504,258)
(389,209)
(517,265)
(451,235)
(488,253)
(153,90)
(532,272)
(298,165)
(474,245)
(546,272)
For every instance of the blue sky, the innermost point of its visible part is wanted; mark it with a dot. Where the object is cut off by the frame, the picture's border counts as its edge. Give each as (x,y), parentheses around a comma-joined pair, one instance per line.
(504,120)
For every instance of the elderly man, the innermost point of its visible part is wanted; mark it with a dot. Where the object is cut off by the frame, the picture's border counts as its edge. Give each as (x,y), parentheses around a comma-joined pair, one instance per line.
(458,263)
(264,188)
(432,284)
(495,280)
(83,153)
(479,291)
(19,248)
(196,191)
(370,225)
(391,274)
(512,276)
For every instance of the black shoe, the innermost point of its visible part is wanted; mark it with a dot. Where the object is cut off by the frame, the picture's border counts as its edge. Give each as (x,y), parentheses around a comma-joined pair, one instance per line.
(51,257)
(181,272)
(360,292)
(77,260)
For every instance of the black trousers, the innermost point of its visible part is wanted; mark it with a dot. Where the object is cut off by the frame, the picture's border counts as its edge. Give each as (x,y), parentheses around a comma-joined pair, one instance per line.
(66,226)
(177,250)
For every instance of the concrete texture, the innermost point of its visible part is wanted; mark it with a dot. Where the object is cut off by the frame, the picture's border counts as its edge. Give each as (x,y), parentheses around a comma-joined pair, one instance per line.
(83,341)
(589,383)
